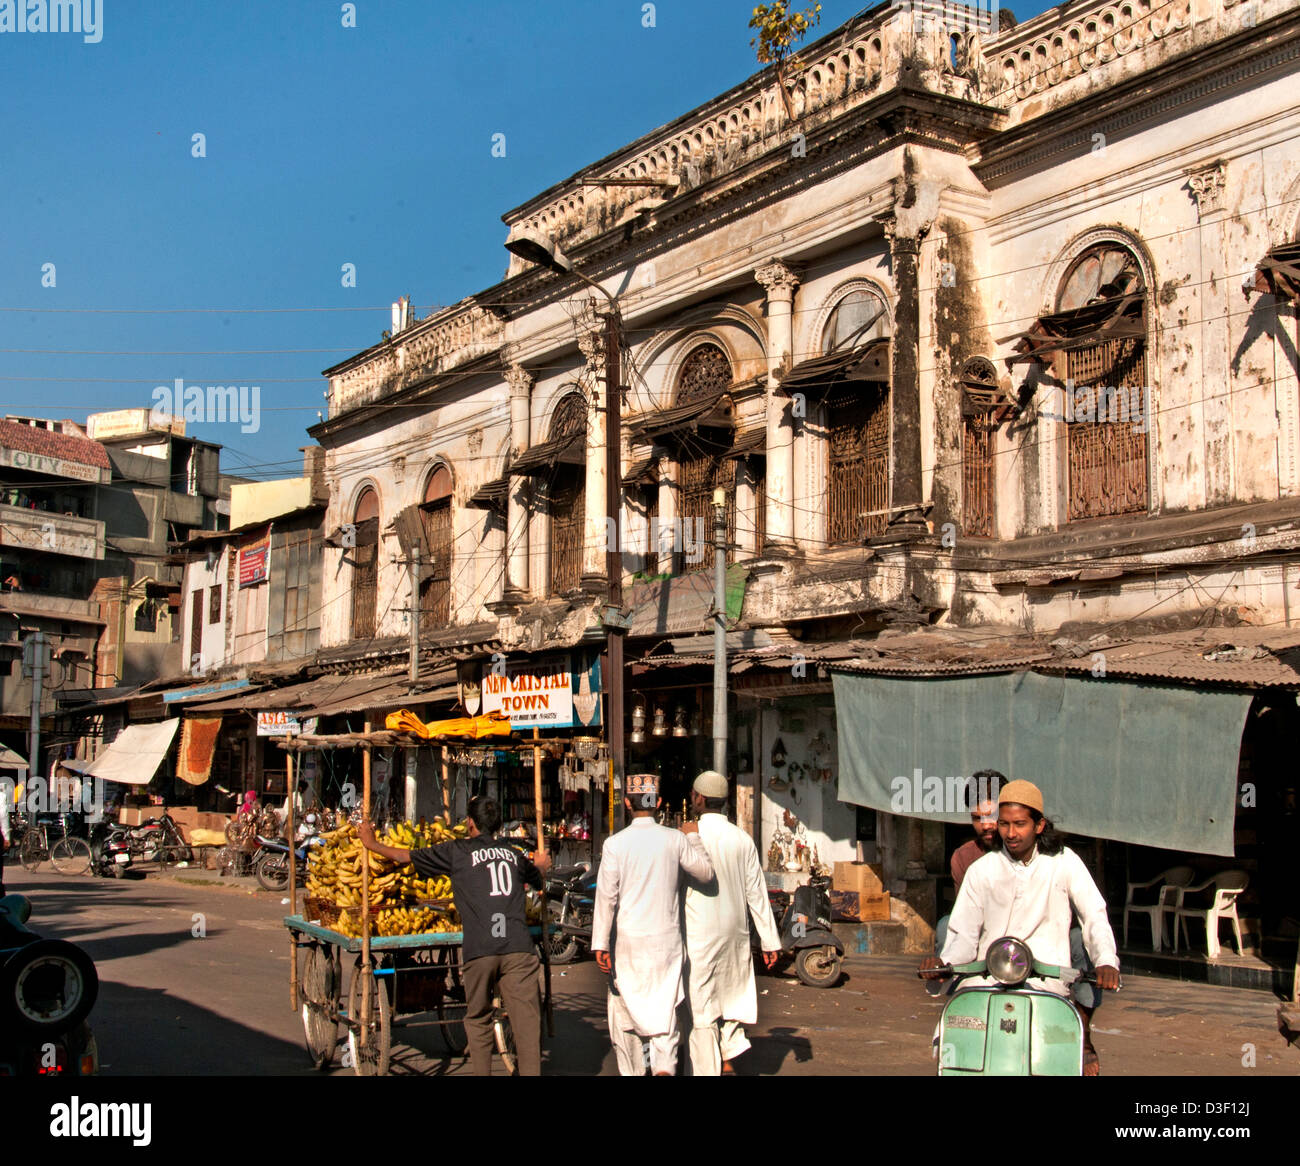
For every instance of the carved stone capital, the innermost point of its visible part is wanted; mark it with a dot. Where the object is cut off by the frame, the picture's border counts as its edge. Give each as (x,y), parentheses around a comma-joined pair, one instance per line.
(901,241)
(777,279)
(519,379)
(1206,188)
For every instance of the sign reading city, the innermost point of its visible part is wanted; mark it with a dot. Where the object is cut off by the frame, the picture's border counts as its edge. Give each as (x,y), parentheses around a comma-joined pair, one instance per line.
(541,693)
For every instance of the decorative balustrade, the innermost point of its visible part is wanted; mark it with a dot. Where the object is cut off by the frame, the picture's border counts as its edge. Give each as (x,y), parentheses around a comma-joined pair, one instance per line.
(439,344)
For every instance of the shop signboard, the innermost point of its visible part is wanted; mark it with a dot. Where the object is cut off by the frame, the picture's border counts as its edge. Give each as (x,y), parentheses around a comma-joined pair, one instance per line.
(277,724)
(252,562)
(544,693)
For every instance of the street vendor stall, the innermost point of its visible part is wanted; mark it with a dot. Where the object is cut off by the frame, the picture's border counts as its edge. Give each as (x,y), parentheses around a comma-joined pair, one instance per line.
(401,931)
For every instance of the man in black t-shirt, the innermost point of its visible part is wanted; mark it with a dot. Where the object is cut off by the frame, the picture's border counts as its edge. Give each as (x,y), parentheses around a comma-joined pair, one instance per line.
(487,881)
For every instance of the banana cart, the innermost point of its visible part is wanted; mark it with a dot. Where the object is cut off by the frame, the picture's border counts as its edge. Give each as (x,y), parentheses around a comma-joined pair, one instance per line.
(408,975)
(392,976)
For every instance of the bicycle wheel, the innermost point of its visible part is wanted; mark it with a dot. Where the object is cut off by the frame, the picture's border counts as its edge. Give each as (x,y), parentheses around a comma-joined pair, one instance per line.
(33,852)
(505,1036)
(372,1059)
(70,856)
(450,1005)
(320,1005)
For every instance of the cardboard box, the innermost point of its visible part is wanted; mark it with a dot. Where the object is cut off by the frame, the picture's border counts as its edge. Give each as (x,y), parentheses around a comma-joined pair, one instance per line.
(184,816)
(134,815)
(853,907)
(863,877)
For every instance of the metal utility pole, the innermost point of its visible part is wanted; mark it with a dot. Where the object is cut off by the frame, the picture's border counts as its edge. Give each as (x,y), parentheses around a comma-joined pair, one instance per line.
(613,555)
(36,659)
(720,631)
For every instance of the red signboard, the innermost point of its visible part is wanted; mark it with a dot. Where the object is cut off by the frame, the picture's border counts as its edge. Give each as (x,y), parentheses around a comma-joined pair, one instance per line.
(252,563)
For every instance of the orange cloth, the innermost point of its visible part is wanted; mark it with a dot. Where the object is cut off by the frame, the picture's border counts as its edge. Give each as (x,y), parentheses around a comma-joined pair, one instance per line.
(488,725)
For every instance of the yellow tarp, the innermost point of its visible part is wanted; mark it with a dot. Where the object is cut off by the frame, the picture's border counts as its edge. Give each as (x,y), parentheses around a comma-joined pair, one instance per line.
(488,725)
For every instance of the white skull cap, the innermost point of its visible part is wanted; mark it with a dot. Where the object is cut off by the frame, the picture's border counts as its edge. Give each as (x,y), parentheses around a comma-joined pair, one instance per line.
(711,784)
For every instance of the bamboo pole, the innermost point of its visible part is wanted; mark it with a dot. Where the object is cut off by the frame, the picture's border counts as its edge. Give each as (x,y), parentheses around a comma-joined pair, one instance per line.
(294,1002)
(446,785)
(366,969)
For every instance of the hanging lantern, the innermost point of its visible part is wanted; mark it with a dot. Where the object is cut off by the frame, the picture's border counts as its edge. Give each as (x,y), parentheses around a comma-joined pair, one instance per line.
(638,723)
(679,722)
(661,722)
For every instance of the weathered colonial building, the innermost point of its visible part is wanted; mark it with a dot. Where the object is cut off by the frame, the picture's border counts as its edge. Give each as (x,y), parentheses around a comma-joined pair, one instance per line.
(985,333)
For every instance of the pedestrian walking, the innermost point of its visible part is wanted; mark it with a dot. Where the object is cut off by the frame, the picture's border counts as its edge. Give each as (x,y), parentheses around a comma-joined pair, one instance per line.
(636,933)
(720,976)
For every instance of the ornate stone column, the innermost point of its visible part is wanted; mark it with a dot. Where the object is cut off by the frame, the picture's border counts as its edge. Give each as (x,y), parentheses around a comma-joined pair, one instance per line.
(517,500)
(905,497)
(779,281)
(594,527)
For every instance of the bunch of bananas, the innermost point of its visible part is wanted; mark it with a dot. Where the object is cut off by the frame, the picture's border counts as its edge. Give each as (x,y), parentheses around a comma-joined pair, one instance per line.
(334,874)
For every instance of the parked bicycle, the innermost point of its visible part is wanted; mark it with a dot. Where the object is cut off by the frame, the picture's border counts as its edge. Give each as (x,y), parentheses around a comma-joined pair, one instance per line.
(67,854)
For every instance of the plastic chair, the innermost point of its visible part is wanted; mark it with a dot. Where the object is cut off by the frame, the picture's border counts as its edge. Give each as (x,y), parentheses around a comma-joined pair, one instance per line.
(1228,885)
(1170,883)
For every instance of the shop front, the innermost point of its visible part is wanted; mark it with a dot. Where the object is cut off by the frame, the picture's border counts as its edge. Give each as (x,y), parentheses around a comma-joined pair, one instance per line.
(1177,796)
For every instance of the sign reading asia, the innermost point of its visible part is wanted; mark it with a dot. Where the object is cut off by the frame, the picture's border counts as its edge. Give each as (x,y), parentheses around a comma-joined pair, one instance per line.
(278,724)
(540,693)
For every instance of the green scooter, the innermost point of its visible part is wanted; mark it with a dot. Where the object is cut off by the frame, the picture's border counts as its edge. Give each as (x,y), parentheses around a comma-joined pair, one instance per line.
(1008,1029)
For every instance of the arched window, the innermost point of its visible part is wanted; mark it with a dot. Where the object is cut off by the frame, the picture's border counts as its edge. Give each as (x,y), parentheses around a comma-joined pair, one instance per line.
(1102,311)
(435,515)
(859,318)
(701,465)
(856,417)
(567,499)
(365,564)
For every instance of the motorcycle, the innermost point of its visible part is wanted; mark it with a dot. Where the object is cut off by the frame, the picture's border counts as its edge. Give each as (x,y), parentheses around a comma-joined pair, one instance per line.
(804,923)
(271,863)
(571,897)
(158,840)
(1009,1029)
(110,850)
(47,990)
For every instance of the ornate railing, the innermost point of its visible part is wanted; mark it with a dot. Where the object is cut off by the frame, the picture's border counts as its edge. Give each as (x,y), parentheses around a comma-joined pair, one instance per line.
(441,343)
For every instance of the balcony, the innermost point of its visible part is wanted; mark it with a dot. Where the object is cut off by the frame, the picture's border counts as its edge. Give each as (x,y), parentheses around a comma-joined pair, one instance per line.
(51,532)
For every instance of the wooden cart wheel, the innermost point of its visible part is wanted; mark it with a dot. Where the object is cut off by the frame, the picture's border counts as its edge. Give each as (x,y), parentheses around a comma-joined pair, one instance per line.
(372,1060)
(320,1000)
(451,1004)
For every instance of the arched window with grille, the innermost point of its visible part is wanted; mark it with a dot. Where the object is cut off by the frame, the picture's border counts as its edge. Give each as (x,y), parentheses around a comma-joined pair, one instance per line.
(567,502)
(365,564)
(857,420)
(702,466)
(980,401)
(435,517)
(1101,315)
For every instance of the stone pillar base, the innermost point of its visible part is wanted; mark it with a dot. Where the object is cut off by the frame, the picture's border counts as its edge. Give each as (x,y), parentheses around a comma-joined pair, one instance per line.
(594,585)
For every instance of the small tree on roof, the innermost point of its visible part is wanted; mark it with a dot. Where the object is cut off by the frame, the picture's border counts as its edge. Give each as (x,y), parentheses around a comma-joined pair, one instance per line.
(779,30)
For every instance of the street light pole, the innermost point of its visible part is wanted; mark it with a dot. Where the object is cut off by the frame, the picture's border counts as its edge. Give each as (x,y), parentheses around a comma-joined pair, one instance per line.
(720,631)
(613,553)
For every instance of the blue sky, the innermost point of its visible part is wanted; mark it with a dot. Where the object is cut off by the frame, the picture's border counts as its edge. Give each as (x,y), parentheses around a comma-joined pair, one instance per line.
(324,145)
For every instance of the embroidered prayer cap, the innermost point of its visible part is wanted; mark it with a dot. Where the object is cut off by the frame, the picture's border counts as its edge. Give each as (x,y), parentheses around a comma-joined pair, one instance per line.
(643,790)
(1022,793)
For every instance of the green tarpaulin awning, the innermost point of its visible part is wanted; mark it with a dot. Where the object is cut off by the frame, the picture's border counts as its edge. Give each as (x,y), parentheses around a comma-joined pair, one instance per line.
(1154,765)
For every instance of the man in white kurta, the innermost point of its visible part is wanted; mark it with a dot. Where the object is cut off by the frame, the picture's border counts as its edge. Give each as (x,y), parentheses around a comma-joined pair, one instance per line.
(720,975)
(1017,890)
(636,933)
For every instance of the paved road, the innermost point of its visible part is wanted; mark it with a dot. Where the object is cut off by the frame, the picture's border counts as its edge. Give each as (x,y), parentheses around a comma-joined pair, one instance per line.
(195,982)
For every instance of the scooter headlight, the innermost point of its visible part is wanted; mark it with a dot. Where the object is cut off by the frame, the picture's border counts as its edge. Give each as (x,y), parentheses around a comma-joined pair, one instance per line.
(1009,961)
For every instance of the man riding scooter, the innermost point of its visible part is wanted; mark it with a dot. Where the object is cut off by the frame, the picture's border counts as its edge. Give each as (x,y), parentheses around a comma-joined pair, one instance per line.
(1026,887)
